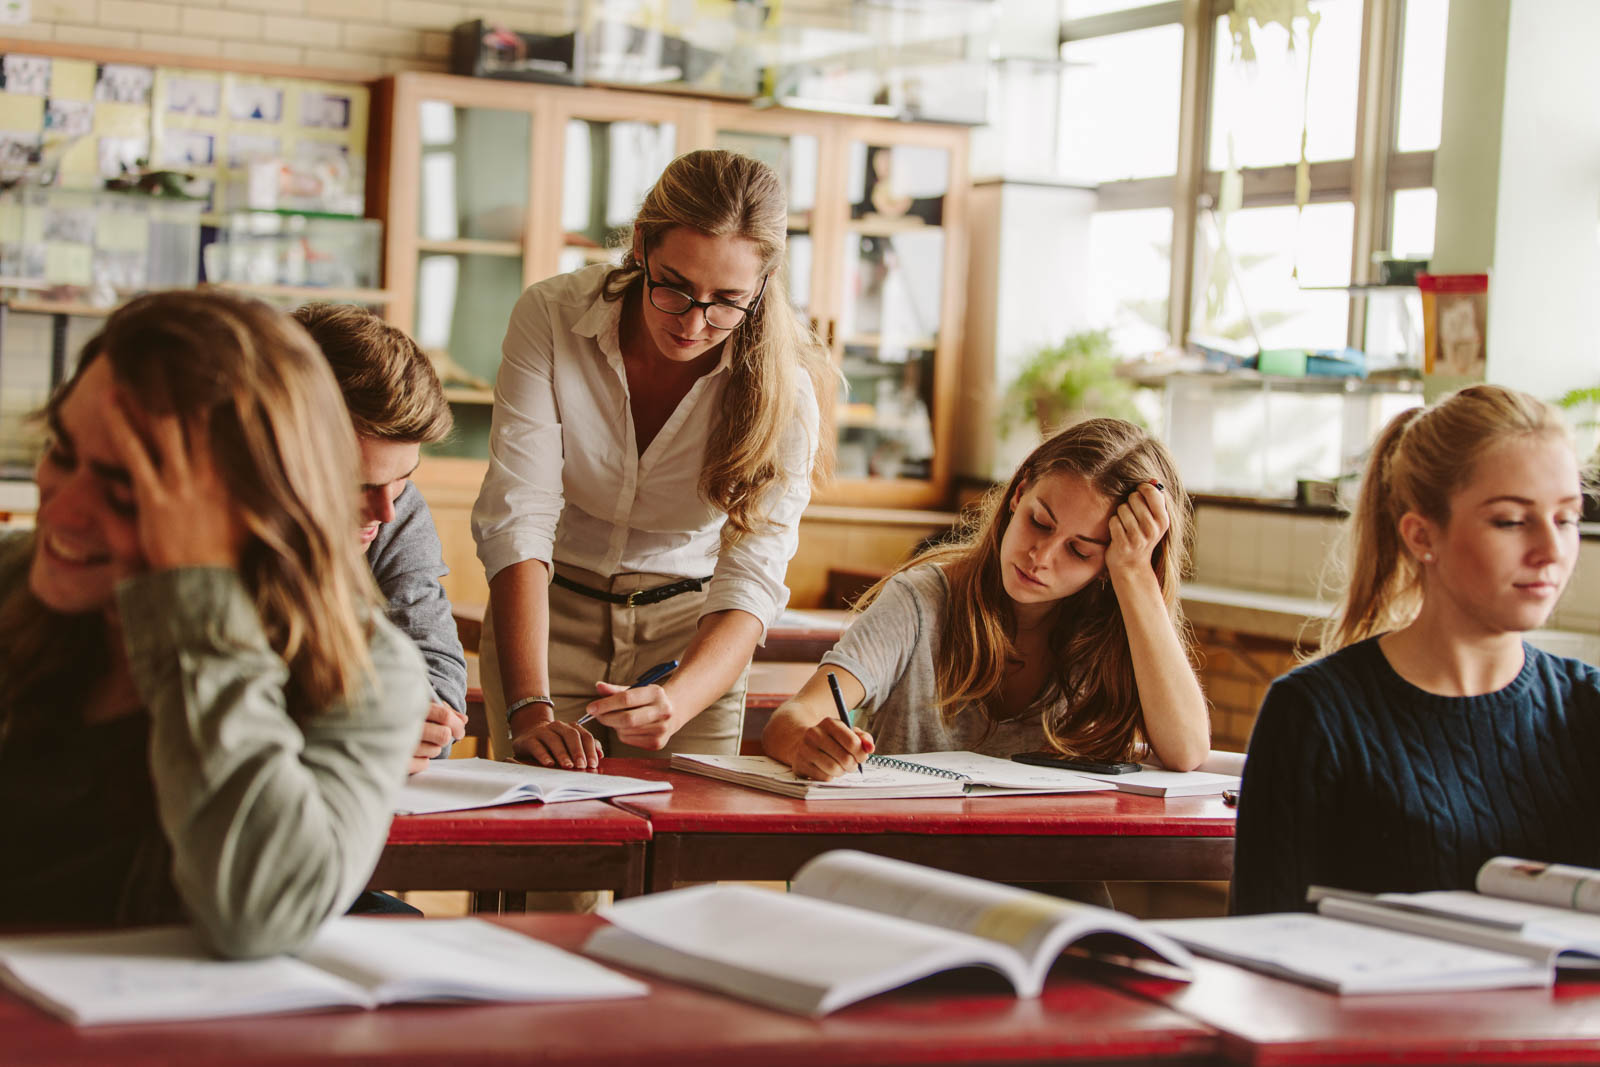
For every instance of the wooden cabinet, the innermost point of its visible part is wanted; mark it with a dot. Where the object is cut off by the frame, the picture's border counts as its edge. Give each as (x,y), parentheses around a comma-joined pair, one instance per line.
(486,187)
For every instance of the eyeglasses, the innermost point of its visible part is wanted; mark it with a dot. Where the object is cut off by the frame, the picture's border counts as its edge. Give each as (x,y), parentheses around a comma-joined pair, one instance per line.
(720,314)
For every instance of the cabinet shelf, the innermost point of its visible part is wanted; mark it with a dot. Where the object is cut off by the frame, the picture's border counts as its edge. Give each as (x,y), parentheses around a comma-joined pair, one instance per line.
(876,340)
(305,293)
(888,226)
(460,394)
(471,246)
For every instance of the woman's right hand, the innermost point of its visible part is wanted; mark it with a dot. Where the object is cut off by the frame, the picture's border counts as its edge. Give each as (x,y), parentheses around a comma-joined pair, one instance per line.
(552,743)
(829,748)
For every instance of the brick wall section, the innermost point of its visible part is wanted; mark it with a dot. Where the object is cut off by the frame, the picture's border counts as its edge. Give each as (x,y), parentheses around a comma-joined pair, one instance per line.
(370,37)
(1235,672)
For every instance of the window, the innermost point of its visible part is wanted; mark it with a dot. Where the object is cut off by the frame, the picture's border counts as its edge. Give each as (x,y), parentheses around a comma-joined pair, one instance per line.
(1208,213)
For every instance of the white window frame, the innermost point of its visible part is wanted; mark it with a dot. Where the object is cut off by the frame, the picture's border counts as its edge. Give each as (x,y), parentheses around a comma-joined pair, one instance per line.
(1367,179)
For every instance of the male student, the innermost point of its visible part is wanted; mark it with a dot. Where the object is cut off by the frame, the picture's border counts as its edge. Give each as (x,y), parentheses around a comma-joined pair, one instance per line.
(397,406)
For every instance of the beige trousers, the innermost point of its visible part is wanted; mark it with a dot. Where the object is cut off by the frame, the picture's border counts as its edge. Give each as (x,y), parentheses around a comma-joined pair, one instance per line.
(593,641)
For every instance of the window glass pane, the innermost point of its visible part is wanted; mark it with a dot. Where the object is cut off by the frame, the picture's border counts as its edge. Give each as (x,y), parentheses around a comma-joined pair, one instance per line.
(1421,75)
(1119,105)
(1130,267)
(1411,226)
(1257,280)
(1256,105)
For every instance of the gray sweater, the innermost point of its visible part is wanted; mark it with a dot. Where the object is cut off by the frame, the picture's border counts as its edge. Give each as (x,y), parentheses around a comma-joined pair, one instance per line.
(407,560)
(891,650)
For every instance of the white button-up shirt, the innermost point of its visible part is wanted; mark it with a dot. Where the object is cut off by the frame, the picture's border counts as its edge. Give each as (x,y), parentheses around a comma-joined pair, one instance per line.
(566,482)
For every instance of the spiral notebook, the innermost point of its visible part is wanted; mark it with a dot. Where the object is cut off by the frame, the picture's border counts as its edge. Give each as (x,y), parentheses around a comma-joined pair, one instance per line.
(920,774)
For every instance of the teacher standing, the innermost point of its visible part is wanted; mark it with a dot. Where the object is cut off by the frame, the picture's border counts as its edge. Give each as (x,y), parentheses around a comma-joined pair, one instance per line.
(655,438)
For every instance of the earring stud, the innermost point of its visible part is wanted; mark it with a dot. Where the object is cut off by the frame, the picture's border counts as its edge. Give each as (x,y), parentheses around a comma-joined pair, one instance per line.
(1427,557)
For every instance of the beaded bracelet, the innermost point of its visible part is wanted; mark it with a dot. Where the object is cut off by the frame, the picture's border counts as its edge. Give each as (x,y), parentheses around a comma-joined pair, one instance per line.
(525,701)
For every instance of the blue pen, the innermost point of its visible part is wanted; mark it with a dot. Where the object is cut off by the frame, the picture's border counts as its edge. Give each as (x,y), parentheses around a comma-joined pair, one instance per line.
(838,702)
(649,677)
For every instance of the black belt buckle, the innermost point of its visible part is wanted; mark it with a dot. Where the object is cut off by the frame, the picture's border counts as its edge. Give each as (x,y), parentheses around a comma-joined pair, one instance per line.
(635,598)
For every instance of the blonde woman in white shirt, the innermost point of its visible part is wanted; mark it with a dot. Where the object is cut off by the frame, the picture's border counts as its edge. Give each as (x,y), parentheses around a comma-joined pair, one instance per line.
(655,439)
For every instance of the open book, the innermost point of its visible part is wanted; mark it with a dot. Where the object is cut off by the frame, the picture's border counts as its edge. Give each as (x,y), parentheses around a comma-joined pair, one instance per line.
(925,774)
(854,925)
(1513,932)
(459,784)
(165,973)
(1348,957)
(1548,912)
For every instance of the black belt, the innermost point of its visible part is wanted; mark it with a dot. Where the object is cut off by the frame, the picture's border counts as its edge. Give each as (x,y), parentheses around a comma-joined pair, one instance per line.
(639,596)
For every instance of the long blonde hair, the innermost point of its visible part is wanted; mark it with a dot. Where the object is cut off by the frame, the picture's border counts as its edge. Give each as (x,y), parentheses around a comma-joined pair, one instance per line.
(286,450)
(724,194)
(1092,702)
(1418,461)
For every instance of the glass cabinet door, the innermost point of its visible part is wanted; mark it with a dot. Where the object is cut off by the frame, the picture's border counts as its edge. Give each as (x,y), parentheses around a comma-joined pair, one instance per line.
(892,291)
(795,158)
(608,166)
(472,217)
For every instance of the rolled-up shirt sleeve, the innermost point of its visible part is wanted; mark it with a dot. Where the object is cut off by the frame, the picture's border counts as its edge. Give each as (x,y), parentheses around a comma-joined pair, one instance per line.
(519,506)
(750,572)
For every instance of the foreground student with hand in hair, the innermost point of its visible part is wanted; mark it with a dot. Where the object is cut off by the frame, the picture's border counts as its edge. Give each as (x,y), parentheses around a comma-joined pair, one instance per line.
(204,712)
(1429,737)
(655,436)
(397,405)
(1053,624)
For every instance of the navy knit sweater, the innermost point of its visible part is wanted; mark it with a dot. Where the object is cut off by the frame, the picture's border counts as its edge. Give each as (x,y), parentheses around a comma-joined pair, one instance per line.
(1360,780)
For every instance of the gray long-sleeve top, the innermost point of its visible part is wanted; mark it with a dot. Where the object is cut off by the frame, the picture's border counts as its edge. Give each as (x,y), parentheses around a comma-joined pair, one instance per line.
(407,562)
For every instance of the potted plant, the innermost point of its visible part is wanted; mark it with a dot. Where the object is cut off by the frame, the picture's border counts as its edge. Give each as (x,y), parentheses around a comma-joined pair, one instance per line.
(1586,399)
(1067,382)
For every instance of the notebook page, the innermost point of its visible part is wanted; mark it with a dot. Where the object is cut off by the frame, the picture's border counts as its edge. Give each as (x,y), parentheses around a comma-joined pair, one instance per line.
(160,973)
(460,784)
(1006,774)
(733,768)
(1349,957)
(457,959)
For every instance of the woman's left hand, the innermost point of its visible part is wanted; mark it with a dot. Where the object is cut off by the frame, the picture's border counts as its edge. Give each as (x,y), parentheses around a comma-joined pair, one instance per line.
(643,716)
(1137,527)
(187,515)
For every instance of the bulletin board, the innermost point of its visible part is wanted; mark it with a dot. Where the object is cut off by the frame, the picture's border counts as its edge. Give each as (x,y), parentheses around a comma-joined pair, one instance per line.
(94,118)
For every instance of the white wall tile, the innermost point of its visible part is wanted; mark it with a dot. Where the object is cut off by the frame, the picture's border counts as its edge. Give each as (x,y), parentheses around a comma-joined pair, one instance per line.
(1276,532)
(1244,549)
(1211,544)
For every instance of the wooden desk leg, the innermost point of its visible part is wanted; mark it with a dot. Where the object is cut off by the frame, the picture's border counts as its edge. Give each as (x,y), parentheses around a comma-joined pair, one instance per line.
(634,872)
(661,863)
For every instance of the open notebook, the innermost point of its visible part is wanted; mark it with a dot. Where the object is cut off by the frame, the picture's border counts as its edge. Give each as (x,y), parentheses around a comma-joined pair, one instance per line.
(460,784)
(925,774)
(855,925)
(165,973)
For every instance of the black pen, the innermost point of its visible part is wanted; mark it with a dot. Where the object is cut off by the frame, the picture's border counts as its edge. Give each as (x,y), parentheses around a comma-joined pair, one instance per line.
(838,702)
(649,677)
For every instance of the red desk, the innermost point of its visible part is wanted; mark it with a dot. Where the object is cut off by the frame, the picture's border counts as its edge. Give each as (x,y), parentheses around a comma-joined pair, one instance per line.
(579,844)
(705,830)
(674,1026)
(1266,1022)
